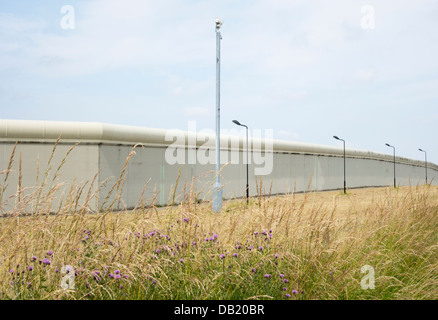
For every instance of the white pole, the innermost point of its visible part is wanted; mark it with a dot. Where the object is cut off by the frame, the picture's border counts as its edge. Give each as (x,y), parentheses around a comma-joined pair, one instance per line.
(217,187)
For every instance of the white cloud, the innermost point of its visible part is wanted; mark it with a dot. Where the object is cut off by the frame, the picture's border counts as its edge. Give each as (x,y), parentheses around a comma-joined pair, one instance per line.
(287,135)
(196,111)
(365,74)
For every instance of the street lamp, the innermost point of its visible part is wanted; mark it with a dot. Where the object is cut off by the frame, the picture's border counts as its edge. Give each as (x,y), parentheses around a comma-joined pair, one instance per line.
(217,187)
(247,147)
(425,160)
(345,184)
(394,160)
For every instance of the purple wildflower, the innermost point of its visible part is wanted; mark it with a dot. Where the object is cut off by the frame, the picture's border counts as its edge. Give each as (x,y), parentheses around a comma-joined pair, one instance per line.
(268,276)
(46,261)
(261,248)
(284,288)
(253,270)
(222,256)
(34,258)
(30,268)
(281,275)
(287,295)
(117,276)
(111,275)
(117,272)
(49,253)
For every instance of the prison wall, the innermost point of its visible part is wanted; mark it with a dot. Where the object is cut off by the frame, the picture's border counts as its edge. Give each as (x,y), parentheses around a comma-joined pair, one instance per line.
(89,160)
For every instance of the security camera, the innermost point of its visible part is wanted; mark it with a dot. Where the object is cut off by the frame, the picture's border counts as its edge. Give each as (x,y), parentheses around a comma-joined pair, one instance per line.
(218,23)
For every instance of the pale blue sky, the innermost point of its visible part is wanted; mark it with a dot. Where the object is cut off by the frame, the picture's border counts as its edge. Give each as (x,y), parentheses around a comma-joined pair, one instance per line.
(306,69)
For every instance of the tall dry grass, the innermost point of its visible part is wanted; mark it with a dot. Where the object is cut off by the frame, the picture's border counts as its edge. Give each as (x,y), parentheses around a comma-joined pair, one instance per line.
(296,246)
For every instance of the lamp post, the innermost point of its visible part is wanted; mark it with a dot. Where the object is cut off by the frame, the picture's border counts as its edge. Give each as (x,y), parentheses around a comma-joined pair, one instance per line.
(345,183)
(425,160)
(247,163)
(394,160)
(217,187)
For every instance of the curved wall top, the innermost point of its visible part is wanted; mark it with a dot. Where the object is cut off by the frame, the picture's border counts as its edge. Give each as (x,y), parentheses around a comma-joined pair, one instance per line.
(102,133)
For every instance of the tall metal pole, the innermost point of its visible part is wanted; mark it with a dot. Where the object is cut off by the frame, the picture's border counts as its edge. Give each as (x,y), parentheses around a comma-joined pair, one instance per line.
(395,185)
(387,144)
(247,170)
(247,161)
(345,179)
(217,187)
(425,160)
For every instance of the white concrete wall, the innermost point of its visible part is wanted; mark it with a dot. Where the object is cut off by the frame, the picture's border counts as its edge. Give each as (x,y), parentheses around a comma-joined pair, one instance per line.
(104,148)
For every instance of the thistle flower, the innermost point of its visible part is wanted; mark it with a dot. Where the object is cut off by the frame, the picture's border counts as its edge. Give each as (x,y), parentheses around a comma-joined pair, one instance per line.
(287,295)
(222,256)
(34,258)
(294,291)
(253,270)
(117,276)
(117,272)
(235,255)
(268,276)
(261,248)
(30,268)
(46,261)
(49,253)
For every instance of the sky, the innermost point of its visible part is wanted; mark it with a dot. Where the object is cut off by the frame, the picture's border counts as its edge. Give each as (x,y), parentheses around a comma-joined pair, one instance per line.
(366,71)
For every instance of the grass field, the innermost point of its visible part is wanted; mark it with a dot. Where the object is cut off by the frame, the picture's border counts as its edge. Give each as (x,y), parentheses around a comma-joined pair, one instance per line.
(297,246)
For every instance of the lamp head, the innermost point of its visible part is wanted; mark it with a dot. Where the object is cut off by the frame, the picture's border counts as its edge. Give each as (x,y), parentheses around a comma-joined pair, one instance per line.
(387,144)
(219,23)
(336,137)
(236,122)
